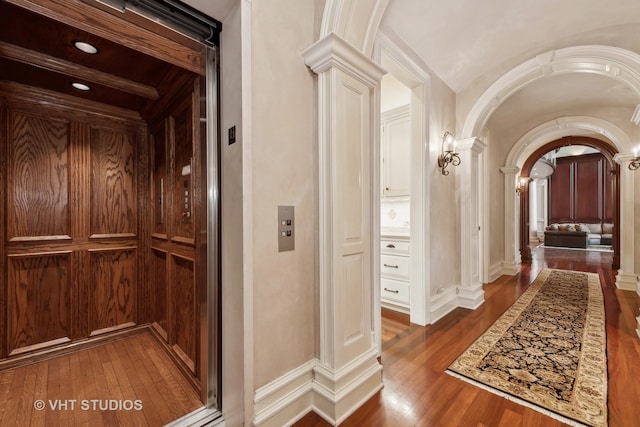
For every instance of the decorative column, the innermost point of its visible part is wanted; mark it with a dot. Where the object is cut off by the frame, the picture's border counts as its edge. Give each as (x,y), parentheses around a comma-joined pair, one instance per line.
(469,177)
(348,372)
(626,278)
(510,263)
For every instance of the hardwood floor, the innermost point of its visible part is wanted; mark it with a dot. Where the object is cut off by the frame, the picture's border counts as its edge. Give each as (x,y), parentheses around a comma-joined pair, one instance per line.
(417,391)
(129,382)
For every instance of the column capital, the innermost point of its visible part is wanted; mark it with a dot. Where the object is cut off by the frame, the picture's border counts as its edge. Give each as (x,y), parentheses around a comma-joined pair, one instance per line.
(471,144)
(509,170)
(333,51)
(622,158)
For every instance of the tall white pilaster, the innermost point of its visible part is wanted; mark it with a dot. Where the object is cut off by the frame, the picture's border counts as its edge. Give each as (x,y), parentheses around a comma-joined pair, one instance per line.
(348,372)
(627,278)
(511,260)
(468,174)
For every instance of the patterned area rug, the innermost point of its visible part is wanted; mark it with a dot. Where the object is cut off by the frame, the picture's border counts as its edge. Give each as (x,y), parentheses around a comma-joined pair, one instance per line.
(548,350)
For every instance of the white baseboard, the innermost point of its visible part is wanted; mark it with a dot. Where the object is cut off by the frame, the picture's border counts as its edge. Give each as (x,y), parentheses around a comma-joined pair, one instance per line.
(471,298)
(280,402)
(510,268)
(495,271)
(627,281)
(332,394)
(442,304)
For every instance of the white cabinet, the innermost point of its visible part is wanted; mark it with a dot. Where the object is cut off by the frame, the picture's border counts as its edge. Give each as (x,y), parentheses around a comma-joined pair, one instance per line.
(395,273)
(395,152)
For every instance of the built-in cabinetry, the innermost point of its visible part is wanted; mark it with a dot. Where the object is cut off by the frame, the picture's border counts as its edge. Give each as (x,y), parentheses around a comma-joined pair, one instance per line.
(395,273)
(395,152)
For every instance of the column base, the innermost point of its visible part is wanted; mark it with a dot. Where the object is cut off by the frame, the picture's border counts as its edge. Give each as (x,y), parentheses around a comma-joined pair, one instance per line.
(627,281)
(471,298)
(338,393)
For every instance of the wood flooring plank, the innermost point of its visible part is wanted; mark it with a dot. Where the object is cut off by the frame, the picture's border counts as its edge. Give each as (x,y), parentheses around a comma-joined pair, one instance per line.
(416,358)
(6,379)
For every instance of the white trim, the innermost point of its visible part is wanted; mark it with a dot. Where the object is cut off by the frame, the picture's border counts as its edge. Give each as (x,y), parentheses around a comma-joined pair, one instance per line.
(411,74)
(308,387)
(510,268)
(577,59)
(627,281)
(280,398)
(443,304)
(470,298)
(495,271)
(566,126)
(200,417)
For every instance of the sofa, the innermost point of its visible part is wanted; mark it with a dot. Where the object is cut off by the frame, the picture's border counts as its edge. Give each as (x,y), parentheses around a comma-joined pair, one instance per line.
(578,235)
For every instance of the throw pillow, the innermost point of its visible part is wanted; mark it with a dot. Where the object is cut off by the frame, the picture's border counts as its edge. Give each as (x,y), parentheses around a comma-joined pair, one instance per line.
(607,228)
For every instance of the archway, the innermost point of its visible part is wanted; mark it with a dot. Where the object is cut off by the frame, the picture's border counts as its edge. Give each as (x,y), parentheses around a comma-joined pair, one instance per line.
(609,152)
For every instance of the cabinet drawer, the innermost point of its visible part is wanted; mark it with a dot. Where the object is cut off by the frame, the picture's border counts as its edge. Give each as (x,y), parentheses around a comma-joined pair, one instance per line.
(395,266)
(394,246)
(394,290)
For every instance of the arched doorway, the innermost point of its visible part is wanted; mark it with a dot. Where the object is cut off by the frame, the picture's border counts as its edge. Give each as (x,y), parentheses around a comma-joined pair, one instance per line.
(609,152)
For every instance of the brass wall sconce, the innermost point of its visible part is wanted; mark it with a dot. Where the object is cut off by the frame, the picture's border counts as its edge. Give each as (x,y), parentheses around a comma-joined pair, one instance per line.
(522,184)
(635,162)
(448,153)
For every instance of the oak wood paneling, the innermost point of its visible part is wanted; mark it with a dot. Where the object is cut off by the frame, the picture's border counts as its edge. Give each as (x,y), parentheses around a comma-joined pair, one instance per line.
(4,143)
(184,310)
(38,177)
(113,183)
(40,301)
(158,279)
(581,190)
(159,180)
(112,290)
(560,188)
(183,156)
(588,189)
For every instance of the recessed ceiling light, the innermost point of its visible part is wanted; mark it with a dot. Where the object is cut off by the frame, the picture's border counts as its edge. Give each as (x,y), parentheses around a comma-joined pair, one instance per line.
(86,47)
(80,86)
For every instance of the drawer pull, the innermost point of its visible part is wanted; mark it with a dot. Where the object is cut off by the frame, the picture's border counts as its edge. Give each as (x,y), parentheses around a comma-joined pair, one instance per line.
(390,266)
(395,291)
(391,245)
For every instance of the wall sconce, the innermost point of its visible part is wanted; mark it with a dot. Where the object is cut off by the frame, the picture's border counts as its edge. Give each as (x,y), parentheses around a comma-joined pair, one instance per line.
(635,163)
(522,184)
(449,154)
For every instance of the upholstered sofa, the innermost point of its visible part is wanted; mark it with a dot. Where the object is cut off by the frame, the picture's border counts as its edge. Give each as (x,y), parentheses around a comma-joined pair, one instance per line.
(580,235)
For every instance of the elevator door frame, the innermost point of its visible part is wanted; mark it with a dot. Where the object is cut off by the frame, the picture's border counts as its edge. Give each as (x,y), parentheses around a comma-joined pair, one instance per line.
(76,14)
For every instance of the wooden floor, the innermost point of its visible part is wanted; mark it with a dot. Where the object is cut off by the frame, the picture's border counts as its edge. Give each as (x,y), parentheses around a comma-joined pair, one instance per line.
(129,382)
(417,391)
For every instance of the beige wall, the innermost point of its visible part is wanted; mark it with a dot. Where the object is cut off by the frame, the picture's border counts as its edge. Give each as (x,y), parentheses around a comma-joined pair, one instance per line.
(444,217)
(283,172)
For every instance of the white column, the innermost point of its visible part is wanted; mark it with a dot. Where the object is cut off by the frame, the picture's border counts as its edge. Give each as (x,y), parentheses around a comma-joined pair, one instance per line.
(627,278)
(470,292)
(348,372)
(511,260)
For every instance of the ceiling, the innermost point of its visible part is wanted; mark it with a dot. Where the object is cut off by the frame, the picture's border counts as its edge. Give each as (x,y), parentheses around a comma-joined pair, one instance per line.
(470,44)
(39,52)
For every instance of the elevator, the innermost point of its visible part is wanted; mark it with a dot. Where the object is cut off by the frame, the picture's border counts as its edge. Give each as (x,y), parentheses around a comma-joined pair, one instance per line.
(109,181)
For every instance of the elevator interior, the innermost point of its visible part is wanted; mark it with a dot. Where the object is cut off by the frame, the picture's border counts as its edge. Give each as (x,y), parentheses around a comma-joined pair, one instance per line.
(104,208)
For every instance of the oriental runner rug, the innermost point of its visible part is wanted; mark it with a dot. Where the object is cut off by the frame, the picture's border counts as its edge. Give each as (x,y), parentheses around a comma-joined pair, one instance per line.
(548,350)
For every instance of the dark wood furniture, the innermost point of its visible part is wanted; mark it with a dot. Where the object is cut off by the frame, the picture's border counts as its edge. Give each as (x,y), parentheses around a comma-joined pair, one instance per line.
(567,239)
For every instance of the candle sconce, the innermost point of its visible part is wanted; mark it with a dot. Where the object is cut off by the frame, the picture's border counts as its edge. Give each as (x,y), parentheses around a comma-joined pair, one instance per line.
(522,184)
(448,154)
